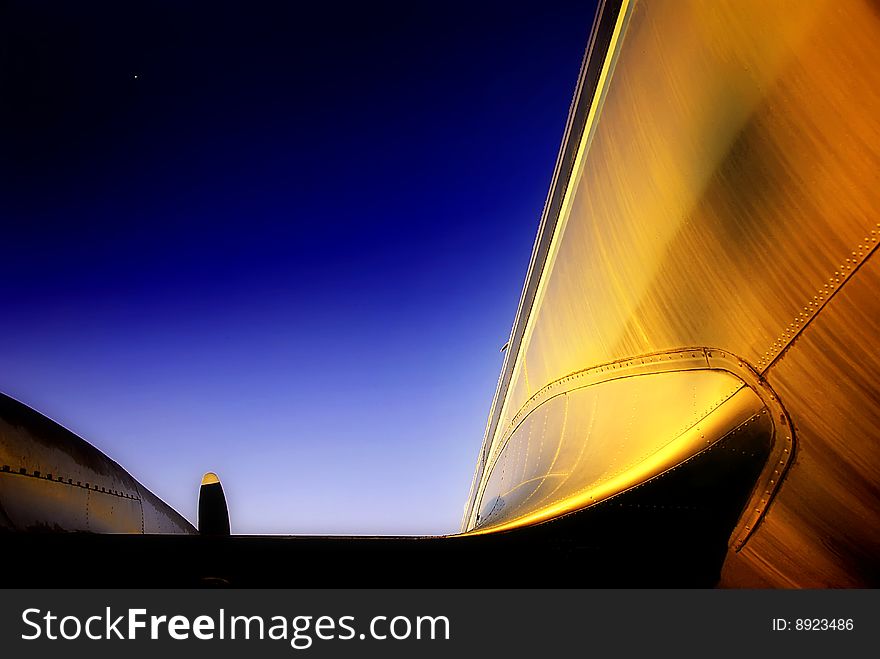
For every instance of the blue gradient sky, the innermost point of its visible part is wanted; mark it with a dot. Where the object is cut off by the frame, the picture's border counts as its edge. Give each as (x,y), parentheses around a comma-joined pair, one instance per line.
(289,250)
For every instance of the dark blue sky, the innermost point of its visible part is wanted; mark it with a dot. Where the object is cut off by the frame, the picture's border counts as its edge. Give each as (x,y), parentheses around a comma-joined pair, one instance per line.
(277,241)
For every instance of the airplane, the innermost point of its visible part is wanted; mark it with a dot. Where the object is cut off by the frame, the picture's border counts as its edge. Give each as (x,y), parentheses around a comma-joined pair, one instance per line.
(690,393)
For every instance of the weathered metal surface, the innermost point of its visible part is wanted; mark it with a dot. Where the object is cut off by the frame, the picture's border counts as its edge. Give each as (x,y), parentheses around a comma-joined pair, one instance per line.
(53,480)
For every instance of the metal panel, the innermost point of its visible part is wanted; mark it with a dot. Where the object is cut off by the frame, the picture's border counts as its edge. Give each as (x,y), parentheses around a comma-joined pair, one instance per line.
(725,191)
(593,442)
(53,480)
(824,527)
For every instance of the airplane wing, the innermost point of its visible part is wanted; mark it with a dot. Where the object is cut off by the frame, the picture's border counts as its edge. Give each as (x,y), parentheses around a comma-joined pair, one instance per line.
(689,395)
(705,268)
